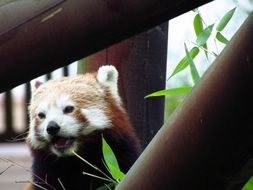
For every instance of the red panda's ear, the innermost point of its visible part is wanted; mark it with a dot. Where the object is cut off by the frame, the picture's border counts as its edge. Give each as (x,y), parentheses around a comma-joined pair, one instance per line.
(108,76)
(35,84)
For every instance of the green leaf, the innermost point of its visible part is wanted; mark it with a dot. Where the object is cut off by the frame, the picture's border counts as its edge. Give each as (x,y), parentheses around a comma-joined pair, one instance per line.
(108,154)
(111,161)
(204,35)
(116,173)
(205,49)
(198,28)
(225,19)
(171,91)
(183,63)
(221,38)
(194,71)
(198,25)
(248,185)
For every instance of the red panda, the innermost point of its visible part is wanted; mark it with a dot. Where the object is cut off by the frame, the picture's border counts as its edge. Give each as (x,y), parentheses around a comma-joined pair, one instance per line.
(71,114)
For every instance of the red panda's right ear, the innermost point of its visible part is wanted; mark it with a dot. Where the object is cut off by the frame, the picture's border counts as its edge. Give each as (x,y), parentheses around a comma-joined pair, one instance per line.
(35,84)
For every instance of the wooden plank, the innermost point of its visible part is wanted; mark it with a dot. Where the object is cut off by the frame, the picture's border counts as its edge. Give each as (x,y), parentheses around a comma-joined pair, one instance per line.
(14,13)
(74,29)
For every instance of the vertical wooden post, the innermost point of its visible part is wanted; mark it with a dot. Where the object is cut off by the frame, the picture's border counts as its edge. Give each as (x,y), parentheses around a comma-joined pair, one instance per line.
(141,62)
(65,71)
(9,131)
(27,101)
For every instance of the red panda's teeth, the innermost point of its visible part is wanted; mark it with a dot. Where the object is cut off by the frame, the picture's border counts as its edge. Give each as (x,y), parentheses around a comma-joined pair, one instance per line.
(63,143)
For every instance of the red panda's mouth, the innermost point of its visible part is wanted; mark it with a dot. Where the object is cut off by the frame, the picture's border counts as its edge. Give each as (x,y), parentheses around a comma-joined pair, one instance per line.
(62,143)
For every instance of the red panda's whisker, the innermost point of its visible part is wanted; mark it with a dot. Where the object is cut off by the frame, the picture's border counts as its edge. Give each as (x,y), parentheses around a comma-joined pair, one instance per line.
(19,137)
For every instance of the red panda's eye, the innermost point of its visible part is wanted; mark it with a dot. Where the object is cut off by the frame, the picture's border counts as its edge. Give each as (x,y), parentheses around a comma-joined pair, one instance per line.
(68,109)
(41,115)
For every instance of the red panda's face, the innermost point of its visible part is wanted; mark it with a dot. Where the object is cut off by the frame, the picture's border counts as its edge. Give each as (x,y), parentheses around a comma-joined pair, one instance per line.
(64,110)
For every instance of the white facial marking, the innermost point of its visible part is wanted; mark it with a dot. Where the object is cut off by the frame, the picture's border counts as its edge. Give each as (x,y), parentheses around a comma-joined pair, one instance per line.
(53,108)
(96,118)
(68,124)
(32,138)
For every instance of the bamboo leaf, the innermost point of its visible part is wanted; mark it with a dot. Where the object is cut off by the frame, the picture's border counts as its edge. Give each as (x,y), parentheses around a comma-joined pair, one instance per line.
(205,49)
(111,161)
(221,38)
(194,71)
(198,25)
(171,91)
(204,35)
(116,173)
(108,154)
(183,63)
(225,19)
(248,185)
(198,28)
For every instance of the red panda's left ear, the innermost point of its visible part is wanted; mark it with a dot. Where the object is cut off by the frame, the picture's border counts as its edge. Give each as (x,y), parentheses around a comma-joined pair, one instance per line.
(108,76)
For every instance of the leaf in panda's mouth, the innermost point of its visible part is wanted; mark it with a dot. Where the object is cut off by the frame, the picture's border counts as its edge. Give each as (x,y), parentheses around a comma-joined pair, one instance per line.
(62,142)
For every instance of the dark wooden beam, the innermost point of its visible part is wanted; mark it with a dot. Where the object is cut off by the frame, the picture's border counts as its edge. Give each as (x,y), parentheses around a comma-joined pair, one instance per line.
(40,36)
(208,142)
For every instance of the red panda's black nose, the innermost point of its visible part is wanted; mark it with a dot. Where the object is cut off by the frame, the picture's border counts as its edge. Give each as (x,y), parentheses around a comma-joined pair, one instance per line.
(53,128)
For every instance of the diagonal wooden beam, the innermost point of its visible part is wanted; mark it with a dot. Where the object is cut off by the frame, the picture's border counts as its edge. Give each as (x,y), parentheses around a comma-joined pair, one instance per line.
(37,40)
(208,142)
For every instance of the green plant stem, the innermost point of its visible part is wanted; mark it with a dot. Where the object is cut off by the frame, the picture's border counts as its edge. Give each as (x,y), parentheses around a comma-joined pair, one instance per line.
(108,187)
(35,184)
(27,170)
(99,177)
(61,184)
(94,167)
(6,169)
(215,43)
(201,47)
